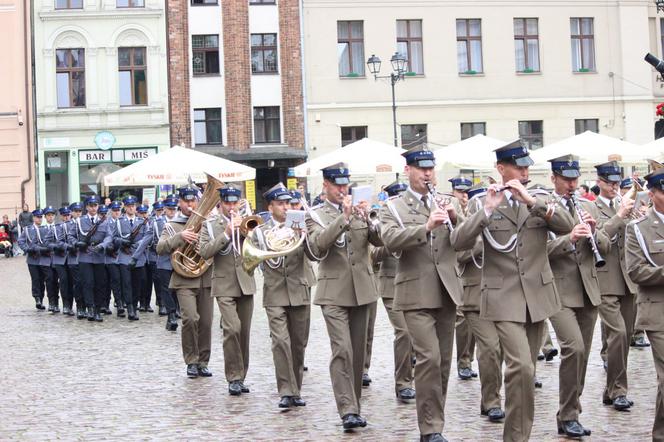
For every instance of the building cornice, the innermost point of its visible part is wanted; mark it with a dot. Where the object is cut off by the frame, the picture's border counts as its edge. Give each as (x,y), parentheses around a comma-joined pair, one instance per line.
(71,15)
(356,4)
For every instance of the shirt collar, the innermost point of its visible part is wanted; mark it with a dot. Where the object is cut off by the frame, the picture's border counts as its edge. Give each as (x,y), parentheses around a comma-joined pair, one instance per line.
(336,206)
(415,194)
(605,200)
(660,215)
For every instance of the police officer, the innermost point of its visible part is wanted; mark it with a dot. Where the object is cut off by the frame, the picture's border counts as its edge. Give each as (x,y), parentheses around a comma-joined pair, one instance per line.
(151,265)
(92,229)
(105,306)
(402,344)
(145,294)
(465,340)
(60,254)
(418,226)
(47,237)
(111,261)
(645,267)
(29,242)
(286,300)
(517,286)
(193,293)
(72,258)
(163,267)
(575,276)
(618,307)
(232,287)
(340,236)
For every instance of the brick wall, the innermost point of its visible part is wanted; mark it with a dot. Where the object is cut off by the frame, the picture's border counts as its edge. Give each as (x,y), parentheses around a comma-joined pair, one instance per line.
(290,59)
(237,72)
(178,72)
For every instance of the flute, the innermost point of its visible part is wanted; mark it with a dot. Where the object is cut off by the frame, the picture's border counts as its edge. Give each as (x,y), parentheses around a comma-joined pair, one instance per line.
(502,188)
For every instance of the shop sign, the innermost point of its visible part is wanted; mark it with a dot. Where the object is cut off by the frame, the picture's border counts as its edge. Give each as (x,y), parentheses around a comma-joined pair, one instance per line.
(104,140)
(115,155)
(139,154)
(55,143)
(94,156)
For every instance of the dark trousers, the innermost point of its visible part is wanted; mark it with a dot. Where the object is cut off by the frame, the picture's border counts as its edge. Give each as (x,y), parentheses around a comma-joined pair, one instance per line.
(75,285)
(125,284)
(65,286)
(138,283)
(51,282)
(114,283)
(36,281)
(163,278)
(150,281)
(93,280)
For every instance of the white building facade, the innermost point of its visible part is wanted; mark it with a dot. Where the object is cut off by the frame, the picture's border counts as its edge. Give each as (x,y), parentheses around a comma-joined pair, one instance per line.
(101,92)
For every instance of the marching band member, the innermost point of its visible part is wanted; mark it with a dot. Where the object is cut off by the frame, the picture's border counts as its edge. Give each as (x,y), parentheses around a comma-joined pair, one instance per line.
(489,355)
(193,293)
(287,302)
(340,238)
(618,307)
(645,266)
(232,287)
(417,225)
(402,344)
(517,283)
(29,242)
(575,276)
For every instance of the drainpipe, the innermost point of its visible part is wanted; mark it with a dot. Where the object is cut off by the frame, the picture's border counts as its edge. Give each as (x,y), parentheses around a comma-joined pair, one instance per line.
(29,72)
(304,81)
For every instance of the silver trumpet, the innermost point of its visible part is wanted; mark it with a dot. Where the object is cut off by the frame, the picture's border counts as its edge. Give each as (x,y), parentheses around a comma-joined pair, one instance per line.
(440,203)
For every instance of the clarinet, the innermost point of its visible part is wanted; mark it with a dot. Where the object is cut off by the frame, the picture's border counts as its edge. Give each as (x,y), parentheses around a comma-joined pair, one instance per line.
(432,192)
(599,261)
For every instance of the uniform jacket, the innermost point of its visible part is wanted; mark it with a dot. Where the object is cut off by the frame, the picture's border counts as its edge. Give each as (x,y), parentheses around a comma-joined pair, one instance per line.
(171,240)
(573,266)
(284,281)
(47,241)
(427,259)
(520,281)
(649,278)
(122,228)
(471,276)
(345,276)
(59,244)
(152,244)
(84,225)
(228,277)
(613,276)
(29,242)
(71,230)
(387,270)
(163,261)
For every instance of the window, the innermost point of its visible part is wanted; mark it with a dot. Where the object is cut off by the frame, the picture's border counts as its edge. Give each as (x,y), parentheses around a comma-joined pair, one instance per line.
(264,53)
(207,126)
(583,45)
(471,129)
(262,2)
(350,48)
(70,77)
(203,2)
(409,43)
(469,45)
(580,126)
(68,4)
(206,54)
(526,44)
(351,134)
(532,133)
(130,3)
(413,135)
(133,76)
(267,125)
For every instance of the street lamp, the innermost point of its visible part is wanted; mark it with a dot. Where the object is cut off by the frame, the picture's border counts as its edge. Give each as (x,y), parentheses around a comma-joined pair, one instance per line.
(660,5)
(398,62)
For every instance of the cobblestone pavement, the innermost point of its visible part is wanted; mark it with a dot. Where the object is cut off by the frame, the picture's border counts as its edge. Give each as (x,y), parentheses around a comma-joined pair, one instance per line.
(73,380)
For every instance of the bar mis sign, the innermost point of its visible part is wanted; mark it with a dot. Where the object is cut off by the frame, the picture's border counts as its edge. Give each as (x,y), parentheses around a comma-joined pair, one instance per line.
(104,140)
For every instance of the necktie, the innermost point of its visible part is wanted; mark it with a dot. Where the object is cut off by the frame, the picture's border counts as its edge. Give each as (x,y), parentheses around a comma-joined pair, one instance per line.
(611,204)
(570,207)
(131,222)
(425,201)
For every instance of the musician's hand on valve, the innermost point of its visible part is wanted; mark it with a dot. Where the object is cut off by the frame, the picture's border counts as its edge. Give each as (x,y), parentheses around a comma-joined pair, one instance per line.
(438,217)
(579,231)
(347,207)
(189,235)
(626,206)
(520,193)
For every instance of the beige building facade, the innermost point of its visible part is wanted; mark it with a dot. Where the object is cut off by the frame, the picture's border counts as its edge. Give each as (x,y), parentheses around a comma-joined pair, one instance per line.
(537,69)
(17,184)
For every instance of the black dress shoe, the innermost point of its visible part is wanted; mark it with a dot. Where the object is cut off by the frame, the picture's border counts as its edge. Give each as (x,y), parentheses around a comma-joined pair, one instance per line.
(473,373)
(285,402)
(538,383)
(80,313)
(235,388)
(162,310)
(549,355)
(571,429)
(132,315)
(204,371)
(65,310)
(305,368)
(142,309)
(495,414)
(366,380)
(298,401)
(244,388)
(107,311)
(363,421)
(406,394)
(121,313)
(433,437)
(149,309)
(56,309)
(621,403)
(540,357)
(97,316)
(192,371)
(50,308)
(172,322)
(640,342)
(89,313)
(350,421)
(465,374)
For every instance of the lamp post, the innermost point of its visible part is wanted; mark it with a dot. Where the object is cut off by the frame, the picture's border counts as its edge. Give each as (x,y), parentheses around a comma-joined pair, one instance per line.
(398,62)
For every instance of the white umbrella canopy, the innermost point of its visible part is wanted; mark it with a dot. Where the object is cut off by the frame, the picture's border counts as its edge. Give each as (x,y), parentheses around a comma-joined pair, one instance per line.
(653,150)
(364,157)
(175,166)
(472,153)
(591,148)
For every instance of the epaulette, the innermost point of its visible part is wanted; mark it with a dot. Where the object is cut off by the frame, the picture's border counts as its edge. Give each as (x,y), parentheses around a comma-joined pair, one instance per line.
(212,217)
(478,195)
(393,197)
(585,200)
(317,206)
(636,221)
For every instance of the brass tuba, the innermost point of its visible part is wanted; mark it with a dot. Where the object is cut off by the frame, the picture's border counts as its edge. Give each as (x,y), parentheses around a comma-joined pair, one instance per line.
(186,261)
(279,241)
